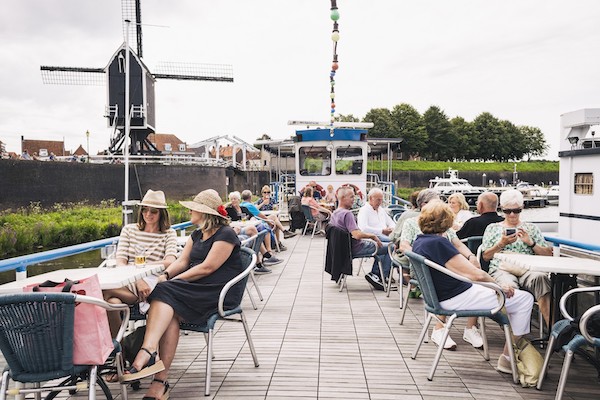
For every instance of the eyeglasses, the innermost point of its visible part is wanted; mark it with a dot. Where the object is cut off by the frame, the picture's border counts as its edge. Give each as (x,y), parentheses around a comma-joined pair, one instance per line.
(150,210)
(512,210)
(266,192)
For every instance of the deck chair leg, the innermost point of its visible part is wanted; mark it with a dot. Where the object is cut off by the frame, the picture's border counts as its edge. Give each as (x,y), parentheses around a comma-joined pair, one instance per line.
(422,335)
(440,349)
(305,227)
(405,307)
(314,229)
(549,351)
(120,364)
(541,323)
(250,297)
(486,347)
(209,357)
(92,383)
(342,282)
(249,338)
(511,353)
(564,373)
(5,377)
(258,292)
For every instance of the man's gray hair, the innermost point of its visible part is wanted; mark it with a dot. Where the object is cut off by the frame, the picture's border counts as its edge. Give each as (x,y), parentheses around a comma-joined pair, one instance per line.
(373,191)
(235,195)
(344,191)
(246,195)
(511,197)
(425,196)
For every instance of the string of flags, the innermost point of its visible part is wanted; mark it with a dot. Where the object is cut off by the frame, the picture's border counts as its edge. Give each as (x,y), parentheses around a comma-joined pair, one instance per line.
(335,36)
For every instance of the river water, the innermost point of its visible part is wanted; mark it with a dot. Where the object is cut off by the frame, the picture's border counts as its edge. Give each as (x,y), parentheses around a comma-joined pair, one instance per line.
(92,258)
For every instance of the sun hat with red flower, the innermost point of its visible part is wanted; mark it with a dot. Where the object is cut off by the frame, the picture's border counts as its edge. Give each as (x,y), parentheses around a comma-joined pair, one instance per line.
(207,202)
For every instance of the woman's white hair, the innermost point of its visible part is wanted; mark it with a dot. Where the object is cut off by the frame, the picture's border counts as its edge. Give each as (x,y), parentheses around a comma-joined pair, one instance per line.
(235,195)
(375,190)
(511,197)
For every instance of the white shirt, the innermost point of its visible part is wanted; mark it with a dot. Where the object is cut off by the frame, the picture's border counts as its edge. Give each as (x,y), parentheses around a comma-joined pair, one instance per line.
(372,221)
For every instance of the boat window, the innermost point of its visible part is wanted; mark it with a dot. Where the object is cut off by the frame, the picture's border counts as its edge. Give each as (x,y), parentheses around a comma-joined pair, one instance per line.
(314,161)
(349,161)
(584,183)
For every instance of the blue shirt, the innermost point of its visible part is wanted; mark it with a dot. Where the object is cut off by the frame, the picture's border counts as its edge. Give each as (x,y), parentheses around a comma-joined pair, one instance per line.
(439,250)
(251,207)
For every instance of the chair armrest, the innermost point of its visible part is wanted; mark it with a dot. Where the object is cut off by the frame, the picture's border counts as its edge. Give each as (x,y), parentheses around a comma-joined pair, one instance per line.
(565,297)
(246,242)
(374,243)
(584,321)
(233,281)
(489,285)
(124,308)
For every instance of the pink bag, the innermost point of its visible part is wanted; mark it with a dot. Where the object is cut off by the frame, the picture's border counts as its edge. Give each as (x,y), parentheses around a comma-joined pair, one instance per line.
(92,342)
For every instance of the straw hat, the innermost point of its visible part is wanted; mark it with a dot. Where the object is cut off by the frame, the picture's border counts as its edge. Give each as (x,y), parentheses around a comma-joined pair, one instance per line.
(207,202)
(155,199)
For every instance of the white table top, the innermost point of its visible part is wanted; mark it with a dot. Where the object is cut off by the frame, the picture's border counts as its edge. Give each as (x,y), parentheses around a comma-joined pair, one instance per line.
(270,212)
(109,278)
(243,224)
(555,265)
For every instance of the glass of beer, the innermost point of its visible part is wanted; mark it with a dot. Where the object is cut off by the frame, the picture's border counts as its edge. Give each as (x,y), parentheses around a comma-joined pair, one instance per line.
(140,261)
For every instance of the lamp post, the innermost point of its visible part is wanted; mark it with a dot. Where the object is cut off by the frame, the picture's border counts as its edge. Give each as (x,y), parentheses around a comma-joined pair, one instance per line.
(87,135)
(483,176)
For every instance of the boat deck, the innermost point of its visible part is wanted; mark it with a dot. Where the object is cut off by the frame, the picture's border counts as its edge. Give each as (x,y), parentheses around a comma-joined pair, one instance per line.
(314,342)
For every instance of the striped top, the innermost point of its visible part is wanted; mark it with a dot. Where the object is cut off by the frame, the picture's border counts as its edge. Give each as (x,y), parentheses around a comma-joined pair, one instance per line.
(155,246)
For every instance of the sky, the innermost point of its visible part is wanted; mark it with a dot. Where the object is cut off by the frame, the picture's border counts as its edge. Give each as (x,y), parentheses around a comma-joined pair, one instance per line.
(527,61)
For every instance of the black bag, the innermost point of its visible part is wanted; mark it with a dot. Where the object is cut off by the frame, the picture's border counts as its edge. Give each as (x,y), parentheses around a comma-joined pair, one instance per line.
(132,343)
(297,220)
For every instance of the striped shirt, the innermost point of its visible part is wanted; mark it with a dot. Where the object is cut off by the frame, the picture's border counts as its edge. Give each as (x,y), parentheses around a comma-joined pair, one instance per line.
(155,246)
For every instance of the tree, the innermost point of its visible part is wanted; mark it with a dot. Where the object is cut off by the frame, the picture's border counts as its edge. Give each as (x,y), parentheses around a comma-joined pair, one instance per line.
(383,123)
(534,142)
(467,139)
(347,118)
(513,143)
(441,145)
(490,133)
(409,125)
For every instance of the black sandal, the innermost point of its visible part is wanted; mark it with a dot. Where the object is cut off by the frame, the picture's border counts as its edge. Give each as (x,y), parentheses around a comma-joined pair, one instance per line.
(165,395)
(151,368)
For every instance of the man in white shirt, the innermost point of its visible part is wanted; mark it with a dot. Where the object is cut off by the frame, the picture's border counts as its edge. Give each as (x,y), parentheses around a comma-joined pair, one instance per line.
(372,218)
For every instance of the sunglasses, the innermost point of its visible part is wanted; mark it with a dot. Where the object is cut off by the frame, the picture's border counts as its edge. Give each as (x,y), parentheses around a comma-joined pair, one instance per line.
(151,210)
(266,192)
(512,210)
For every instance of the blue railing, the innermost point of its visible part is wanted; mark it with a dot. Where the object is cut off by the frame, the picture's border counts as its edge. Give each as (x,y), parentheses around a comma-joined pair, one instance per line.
(20,263)
(579,245)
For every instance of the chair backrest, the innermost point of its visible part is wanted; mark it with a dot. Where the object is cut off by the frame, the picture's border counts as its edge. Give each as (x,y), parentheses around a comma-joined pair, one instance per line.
(254,242)
(248,262)
(473,242)
(423,275)
(307,213)
(36,334)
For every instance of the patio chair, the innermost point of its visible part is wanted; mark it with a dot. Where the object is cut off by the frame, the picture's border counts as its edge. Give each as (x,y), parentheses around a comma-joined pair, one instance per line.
(248,261)
(412,283)
(317,224)
(36,339)
(421,268)
(338,255)
(581,336)
(254,243)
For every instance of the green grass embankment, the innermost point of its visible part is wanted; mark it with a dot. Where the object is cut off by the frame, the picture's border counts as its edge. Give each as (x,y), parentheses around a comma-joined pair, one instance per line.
(523,166)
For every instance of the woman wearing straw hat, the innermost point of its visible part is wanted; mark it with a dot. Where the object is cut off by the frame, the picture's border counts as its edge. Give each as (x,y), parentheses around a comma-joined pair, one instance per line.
(189,289)
(152,237)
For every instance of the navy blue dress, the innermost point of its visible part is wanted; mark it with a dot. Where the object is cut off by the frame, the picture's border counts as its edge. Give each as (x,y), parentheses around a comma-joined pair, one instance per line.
(195,301)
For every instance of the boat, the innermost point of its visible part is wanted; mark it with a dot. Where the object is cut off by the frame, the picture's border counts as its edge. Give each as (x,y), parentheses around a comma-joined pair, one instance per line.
(533,195)
(453,184)
(553,195)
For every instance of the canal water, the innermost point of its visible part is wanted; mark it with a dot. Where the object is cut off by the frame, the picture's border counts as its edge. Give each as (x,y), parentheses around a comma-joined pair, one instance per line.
(92,259)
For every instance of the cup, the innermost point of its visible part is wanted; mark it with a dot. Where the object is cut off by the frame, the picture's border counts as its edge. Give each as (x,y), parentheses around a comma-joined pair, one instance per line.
(244,218)
(140,261)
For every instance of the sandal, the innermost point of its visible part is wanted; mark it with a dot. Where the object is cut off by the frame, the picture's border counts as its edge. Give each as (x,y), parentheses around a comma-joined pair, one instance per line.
(151,368)
(165,395)
(111,377)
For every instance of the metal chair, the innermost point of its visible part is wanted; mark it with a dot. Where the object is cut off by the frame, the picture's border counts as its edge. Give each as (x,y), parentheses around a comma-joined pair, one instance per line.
(421,269)
(249,261)
(254,243)
(317,224)
(36,339)
(581,338)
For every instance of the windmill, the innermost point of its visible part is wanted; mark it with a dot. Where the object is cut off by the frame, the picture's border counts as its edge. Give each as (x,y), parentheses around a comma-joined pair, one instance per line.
(130,90)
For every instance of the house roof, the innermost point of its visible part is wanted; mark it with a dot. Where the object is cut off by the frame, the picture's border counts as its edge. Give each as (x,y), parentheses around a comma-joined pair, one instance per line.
(160,139)
(54,146)
(80,151)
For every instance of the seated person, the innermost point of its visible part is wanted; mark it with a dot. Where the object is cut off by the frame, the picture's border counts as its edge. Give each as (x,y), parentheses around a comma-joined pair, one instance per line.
(271,220)
(189,289)
(487,204)
(319,213)
(435,219)
(344,219)
(153,237)
(266,202)
(526,238)
(330,195)
(460,208)
(316,190)
(409,213)
(373,218)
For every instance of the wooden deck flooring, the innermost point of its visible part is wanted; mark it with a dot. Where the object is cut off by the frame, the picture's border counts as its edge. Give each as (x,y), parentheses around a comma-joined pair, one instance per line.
(314,342)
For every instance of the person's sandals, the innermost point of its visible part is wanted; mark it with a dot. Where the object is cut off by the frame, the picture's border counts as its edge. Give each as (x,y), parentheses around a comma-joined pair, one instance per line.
(165,395)
(111,377)
(152,367)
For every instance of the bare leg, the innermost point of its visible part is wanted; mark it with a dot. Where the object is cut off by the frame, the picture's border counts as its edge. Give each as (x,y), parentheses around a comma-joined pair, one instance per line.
(471,322)
(117,296)
(160,317)
(544,304)
(167,348)
(267,243)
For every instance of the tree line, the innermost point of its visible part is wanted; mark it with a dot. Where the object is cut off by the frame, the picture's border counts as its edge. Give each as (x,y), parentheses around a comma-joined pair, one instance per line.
(435,137)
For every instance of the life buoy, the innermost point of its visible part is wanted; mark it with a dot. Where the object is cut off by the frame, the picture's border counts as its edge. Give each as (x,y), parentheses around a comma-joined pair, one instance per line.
(318,188)
(356,190)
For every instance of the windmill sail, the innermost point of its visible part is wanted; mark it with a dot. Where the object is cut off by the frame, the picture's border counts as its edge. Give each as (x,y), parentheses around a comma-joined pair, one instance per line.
(194,72)
(131,11)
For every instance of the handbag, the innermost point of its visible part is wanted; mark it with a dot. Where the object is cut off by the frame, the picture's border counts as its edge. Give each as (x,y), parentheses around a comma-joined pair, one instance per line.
(92,341)
(529,363)
(511,268)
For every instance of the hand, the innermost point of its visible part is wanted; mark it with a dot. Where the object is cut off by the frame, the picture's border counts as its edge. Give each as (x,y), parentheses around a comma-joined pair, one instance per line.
(386,231)
(505,240)
(162,278)
(143,289)
(524,236)
(508,290)
(378,242)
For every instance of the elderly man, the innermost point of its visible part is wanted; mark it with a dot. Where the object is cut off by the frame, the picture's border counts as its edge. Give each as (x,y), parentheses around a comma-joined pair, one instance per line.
(372,218)
(487,204)
(344,219)
(410,231)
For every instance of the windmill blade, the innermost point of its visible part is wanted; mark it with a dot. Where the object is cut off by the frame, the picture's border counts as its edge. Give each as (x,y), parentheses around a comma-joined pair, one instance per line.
(194,72)
(132,11)
(73,76)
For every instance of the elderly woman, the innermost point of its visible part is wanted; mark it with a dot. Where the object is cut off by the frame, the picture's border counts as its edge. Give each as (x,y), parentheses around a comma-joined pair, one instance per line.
(459,206)
(188,290)
(435,219)
(266,202)
(152,237)
(512,235)
(319,213)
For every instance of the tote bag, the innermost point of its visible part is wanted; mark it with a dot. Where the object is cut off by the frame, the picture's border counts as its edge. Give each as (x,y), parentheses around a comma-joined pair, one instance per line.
(92,342)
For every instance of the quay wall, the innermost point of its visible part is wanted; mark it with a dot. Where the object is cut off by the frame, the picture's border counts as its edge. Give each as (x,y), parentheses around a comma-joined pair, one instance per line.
(23,182)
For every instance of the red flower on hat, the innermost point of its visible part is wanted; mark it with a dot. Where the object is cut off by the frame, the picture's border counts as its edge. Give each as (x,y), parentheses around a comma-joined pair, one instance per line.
(221,210)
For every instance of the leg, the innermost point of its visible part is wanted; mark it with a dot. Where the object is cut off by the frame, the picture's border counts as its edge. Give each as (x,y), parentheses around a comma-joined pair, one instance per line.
(168,346)
(544,304)
(117,296)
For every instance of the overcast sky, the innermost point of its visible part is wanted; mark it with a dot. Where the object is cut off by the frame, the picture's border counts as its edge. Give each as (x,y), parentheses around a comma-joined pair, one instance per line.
(527,61)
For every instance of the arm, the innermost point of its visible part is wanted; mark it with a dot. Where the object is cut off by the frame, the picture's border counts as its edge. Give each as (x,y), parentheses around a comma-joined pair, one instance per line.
(404,246)
(218,254)
(535,241)
(358,234)
(488,254)
(179,265)
(461,266)
(170,248)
